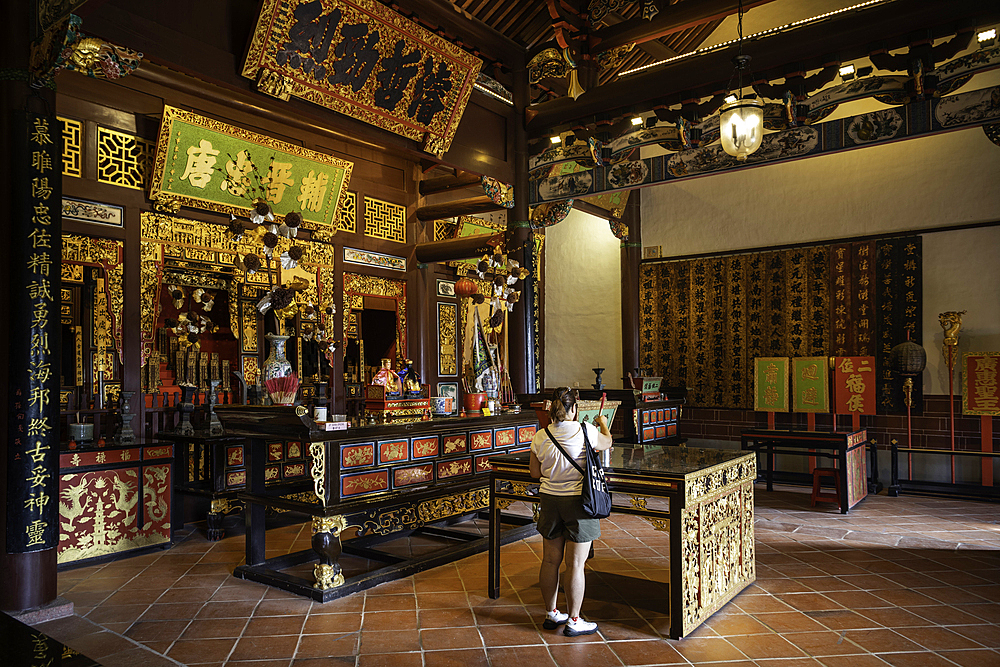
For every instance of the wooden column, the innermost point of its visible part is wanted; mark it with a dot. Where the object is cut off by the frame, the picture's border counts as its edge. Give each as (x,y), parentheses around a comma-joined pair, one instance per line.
(631,254)
(522,320)
(27,577)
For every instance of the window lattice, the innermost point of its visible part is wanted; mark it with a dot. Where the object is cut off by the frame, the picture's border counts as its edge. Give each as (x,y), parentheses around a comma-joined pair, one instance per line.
(72,153)
(123,159)
(347,216)
(384,220)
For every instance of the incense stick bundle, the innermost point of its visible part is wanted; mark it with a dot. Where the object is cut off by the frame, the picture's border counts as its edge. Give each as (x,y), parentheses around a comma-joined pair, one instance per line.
(283,390)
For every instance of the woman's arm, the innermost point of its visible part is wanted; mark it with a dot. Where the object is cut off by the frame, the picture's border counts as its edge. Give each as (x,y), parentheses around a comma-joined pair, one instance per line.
(535,466)
(604,437)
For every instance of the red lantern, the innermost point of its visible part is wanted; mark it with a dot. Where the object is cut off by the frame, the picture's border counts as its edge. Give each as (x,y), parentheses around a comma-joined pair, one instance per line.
(465,287)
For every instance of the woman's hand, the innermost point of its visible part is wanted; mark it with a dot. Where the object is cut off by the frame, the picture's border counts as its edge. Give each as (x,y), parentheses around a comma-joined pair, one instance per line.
(604,437)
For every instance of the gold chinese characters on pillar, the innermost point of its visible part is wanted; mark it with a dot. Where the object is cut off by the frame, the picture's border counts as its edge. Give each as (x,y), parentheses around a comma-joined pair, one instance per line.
(206,164)
(360,58)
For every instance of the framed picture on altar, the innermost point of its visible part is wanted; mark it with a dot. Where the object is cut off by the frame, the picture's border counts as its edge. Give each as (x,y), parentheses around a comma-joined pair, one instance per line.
(449,389)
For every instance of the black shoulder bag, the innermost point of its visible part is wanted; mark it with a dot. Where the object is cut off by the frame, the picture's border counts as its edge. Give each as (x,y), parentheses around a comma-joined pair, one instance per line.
(596,496)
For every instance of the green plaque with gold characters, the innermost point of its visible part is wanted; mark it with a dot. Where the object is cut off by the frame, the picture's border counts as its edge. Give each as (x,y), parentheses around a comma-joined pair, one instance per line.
(810,384)
(206,164)
(770,376)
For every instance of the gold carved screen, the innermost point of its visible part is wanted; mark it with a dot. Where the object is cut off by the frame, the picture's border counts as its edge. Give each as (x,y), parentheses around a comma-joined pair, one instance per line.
(184,241)
(108,254)
(358,286)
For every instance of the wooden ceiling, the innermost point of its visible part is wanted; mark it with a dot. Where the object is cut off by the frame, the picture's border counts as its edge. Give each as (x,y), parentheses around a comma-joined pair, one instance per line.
(529,23)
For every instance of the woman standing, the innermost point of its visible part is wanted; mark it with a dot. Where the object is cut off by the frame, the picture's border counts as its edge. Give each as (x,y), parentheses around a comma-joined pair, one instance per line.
(566,531)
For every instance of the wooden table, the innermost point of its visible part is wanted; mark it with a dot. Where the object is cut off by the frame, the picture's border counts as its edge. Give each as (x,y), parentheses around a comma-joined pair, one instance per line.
(709,514)
(384,480)
(848,449)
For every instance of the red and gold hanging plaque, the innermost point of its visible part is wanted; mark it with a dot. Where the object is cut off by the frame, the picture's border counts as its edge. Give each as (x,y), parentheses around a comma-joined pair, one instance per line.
(360,58)
(854,383)
(980,386)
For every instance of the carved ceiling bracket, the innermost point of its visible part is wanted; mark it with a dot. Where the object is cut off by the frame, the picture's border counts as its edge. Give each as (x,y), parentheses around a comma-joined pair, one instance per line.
(64,47)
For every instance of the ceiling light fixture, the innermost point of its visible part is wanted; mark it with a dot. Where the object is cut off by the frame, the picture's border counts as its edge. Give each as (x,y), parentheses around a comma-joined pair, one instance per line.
(637,120)
(847,72)
(987,38)
(556,139)
(742,120)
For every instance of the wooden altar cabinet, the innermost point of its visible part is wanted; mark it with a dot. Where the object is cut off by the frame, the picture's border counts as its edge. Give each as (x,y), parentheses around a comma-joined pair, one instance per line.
(709,513)
(383,480)
(847,448)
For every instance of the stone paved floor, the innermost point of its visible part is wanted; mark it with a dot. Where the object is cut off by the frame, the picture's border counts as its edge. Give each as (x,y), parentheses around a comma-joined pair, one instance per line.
(898,581)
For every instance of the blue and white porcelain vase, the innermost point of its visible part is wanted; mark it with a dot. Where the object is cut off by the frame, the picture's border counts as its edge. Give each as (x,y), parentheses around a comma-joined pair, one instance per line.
(275,366)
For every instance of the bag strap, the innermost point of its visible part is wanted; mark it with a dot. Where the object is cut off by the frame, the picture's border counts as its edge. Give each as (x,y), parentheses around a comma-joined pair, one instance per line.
(569,458)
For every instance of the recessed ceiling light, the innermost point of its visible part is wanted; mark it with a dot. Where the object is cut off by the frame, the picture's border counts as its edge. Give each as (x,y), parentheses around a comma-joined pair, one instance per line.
(555,139)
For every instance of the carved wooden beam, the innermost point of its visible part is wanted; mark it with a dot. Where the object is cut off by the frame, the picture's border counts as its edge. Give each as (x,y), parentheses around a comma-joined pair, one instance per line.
(840,38)
(462,179)
(672,19)
(456,208)
(465,248)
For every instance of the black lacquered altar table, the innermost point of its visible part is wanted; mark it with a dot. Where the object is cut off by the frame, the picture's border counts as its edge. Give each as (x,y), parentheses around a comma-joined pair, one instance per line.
(848,448)
(708,512)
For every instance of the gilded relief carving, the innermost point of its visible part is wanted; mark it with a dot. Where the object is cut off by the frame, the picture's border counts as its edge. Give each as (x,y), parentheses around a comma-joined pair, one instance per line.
(447,339)
(317,451)
(108,254)
(183,239)
(442,508)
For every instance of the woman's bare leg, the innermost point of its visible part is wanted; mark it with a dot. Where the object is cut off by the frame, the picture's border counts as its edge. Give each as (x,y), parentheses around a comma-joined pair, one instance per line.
(576,558)
(548,575)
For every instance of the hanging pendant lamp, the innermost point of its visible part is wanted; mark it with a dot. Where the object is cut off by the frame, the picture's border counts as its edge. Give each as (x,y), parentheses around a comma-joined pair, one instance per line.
(741,120)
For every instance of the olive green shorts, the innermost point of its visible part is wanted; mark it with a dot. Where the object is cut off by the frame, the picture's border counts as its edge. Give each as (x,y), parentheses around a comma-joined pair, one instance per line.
(562,516)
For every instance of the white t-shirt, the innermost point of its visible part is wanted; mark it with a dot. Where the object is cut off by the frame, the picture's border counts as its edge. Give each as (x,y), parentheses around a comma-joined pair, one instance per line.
(559,477)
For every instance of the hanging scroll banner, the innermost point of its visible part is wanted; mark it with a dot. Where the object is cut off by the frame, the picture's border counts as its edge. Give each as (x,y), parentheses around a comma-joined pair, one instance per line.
(770,379)
(35,342)
(854,382)
(980,386)
(205,164)
(360,58)
(810,385)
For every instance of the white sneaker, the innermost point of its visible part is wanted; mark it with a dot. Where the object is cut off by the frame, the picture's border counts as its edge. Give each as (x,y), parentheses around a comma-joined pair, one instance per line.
(554,619)
(578,626)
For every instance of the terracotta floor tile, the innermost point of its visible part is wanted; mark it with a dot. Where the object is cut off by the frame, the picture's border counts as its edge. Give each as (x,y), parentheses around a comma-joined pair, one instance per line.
(104,615)
(445,618)
(765,646)
(506,615)
(986,635)
(894,617)
(881,641)
(291,607)
(172,612)
(256,663)
(436,639)
(857,599)
(268,626)
(921,659)
(942,614)
(511,635)
(232,609)
(457,658)
(584,653)
(350,604)
(390,602)
(808,601)
(414,659)
(390,642)
(776,586)
(938,639)
(974,658)
(650,652)
(216,628)
(786,662)
(790,621)
(202,650)
(156,630)
(863,660)
(328,645)
(708,649)
(521,656)
(731,625)
(987,612)
(265,648)
(754,604)
(625,629)
(819,644)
